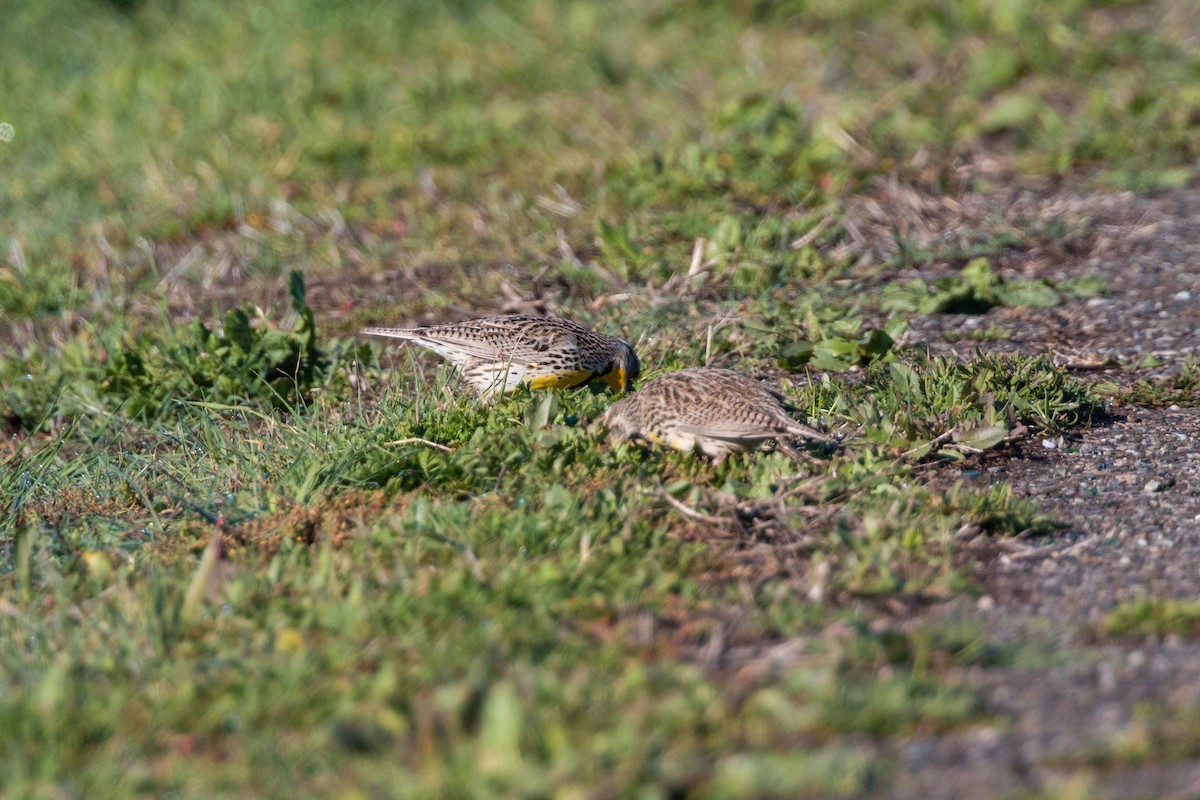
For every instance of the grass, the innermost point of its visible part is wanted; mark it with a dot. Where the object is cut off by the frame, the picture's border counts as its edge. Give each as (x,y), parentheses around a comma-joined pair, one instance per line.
(418,610)
(1177,389)
(1155,734)
(241,551)
(1154,617)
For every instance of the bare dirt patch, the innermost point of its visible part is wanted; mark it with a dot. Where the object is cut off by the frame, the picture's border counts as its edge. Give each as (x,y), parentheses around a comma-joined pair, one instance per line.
(1092,711)
(1128,495)
(336,518)
(1144,249)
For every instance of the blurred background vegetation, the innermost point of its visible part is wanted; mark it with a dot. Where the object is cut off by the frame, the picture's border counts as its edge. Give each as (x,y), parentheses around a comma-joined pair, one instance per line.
(448,121)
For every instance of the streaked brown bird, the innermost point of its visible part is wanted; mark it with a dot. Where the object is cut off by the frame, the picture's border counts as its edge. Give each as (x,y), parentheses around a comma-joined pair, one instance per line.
(498,354)
(716,411)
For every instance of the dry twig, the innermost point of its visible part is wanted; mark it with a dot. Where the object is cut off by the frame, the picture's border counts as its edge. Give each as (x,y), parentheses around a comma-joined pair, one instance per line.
(419,440)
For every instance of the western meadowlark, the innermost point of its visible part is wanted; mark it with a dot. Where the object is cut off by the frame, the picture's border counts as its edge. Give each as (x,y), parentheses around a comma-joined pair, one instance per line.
(718,411)
(498,354)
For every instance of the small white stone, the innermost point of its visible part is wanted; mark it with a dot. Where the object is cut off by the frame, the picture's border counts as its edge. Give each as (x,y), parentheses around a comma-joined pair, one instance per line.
(1184,295)
(1049,444)
(987,736)
(1106,677)
(985,603)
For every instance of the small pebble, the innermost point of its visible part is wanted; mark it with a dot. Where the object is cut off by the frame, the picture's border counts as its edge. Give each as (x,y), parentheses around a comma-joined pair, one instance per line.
(1184,295)
(986,603)
(1106,677)
(919,752)
(1158,485)
(986,736)
(1049,444)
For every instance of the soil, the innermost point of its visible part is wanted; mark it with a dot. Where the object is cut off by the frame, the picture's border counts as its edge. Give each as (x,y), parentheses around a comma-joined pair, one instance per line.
(1143,249)
(1087,717)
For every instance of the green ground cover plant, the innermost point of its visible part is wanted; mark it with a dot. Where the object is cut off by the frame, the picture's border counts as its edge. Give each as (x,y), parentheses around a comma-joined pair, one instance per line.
(1154,617)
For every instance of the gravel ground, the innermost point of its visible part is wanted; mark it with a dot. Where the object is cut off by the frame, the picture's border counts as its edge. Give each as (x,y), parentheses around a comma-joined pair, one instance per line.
(1144,249)
(1089,715)
(1129,494)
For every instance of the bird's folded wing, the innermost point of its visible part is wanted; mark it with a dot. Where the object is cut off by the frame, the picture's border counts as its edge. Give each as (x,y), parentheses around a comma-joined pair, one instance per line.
(561,349)
(463,344)
(441,340)
(732,430)
(503,343)
(391,333)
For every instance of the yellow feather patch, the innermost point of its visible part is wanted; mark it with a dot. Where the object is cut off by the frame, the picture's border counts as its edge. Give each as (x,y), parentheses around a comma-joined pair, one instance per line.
(615,379)
(561,380)
(680,443)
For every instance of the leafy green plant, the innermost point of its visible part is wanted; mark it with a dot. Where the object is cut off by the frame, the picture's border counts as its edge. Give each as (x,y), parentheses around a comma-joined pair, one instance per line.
(756,147)
(820,336)
(992,333)
(756,153)
(1154,616)
(1181,388)
(975,290)
(248,358)
(921,404)
(837,353)
(26,294)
